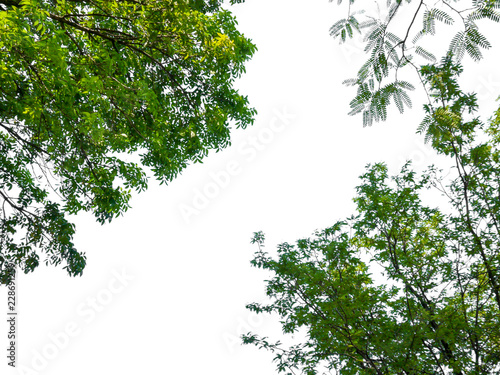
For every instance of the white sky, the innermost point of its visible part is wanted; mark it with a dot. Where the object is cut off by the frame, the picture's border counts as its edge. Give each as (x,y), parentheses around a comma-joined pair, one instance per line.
(184,307)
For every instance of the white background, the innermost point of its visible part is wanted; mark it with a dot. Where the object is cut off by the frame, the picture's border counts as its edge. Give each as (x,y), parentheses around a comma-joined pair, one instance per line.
(184,306)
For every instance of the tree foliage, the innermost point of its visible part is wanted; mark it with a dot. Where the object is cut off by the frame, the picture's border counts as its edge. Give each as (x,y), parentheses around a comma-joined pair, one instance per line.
(86,88)
(391,48)
(401,287)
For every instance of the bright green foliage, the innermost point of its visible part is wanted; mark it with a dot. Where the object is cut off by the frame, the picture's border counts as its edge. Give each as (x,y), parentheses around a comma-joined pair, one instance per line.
(401,287)
(391,48)
(83,84)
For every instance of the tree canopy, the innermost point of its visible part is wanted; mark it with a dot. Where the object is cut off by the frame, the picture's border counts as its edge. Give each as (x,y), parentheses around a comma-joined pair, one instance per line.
(402,286)
(89,87)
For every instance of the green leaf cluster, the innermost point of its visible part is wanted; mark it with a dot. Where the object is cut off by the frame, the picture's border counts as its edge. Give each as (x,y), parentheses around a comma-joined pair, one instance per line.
(401,287)
(391,48)
(93,94)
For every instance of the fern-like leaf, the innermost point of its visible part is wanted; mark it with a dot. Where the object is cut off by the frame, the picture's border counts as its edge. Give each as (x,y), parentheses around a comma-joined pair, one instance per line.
(376,32)
(382,61)
(406,99)
(399,101)
(424,125)
(457,46)
(374,104)
(364,71)
(353,22)
(392,11)
(473,50)
(337,27)
(393,55)
(405,85)
(350,81)
(393,37)
(418,36)
(357,109)
(442,16)
(367,23)
(367,119)
(477,38)
(483,13)
(425,54)
(371,84)
(429,25)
